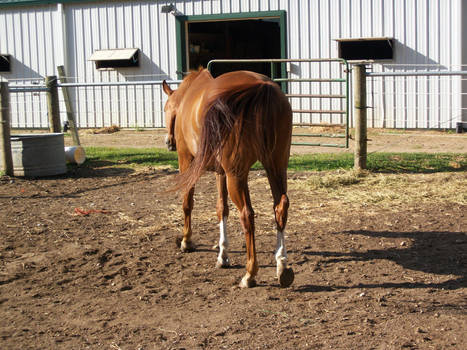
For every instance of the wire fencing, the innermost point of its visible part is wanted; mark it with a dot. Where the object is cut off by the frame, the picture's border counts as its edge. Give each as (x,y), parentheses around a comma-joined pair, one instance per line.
(416,96)
(128,104)
(398,96)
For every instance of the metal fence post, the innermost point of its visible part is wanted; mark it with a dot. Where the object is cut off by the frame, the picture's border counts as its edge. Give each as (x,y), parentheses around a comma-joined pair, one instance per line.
(359,93)
(52,104)
(5,142)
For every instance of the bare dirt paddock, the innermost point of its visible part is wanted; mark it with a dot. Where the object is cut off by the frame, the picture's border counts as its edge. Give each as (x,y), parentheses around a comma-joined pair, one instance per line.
(88,260)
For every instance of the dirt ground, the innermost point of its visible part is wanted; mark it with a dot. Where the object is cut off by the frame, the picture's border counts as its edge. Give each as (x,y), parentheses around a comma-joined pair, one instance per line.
(88,261)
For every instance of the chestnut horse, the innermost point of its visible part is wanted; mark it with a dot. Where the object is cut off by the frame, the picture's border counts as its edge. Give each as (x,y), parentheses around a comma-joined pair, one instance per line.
(226,124)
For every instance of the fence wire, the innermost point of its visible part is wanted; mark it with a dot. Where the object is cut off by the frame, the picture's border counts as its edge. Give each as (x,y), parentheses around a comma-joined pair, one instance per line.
(410,101)
(138,104)
(420,98)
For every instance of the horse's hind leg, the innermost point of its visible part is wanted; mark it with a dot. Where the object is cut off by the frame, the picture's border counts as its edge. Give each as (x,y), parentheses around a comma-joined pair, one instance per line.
(278,182)
(185,243)
(238,191)
(222,214)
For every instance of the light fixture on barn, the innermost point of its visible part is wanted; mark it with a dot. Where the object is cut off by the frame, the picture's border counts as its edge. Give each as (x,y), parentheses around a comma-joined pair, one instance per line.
(169,9)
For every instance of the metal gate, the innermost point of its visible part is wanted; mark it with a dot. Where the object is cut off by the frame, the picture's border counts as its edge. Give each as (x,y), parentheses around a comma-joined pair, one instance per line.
(329,84)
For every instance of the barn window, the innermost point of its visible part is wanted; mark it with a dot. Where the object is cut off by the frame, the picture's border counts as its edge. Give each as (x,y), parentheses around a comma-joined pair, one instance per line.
(5,63)
(366,48)
(116,58)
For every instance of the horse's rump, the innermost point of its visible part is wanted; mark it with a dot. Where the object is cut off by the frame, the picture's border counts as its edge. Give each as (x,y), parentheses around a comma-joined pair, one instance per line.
(242,124)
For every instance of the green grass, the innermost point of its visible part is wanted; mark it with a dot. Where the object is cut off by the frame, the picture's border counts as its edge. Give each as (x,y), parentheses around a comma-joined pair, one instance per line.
(130,157)
(377,162)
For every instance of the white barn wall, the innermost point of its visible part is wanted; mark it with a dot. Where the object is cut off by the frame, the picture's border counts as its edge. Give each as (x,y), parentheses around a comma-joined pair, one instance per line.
(29,36)
(425,32)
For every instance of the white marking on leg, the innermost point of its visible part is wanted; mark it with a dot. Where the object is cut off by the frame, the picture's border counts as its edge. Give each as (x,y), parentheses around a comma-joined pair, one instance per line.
(281,253)
(223,259)
(247,281)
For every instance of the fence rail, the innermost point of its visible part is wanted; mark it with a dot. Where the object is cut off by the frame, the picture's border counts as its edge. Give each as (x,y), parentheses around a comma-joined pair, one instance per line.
(413,97)
(429,91)
(127,104)
(307,88)
(399,96)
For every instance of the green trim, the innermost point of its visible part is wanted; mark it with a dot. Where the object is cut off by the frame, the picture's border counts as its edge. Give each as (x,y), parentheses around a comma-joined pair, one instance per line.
(283,26)
(181,50)
(181,31)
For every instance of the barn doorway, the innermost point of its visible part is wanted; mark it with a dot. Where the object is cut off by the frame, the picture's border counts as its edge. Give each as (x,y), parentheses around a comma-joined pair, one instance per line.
(250,35)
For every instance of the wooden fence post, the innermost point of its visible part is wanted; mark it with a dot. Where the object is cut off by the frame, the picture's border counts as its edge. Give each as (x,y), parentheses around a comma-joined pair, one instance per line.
(359,93)
(52,104)
(69,110)
(5,142)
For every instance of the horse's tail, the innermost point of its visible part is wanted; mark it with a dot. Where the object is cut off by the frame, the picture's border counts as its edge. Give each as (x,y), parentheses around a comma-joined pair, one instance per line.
(247,117)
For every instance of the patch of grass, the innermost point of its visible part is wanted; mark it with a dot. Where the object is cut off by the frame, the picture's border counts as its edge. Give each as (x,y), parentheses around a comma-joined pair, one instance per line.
(417,162)
(321,161)
(383,162)
(130,157)
(138,128)
(377,162)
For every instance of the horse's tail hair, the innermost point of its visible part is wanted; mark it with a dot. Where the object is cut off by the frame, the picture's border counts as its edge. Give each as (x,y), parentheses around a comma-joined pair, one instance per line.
(245,117)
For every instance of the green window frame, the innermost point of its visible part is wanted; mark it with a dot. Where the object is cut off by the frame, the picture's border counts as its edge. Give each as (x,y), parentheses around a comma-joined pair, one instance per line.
(182,26)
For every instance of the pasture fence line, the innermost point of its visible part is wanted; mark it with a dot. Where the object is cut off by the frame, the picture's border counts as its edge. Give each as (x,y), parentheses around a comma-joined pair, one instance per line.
(364,89)
(385,96)
(416,96)
(318,91)
(127,104)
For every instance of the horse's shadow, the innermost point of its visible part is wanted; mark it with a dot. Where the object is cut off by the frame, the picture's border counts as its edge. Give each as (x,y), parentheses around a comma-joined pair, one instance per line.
(432,252)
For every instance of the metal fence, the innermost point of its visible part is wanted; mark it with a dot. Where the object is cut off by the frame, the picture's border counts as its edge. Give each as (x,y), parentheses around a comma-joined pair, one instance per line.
(422,96)
(127,104)
(318,91)
(416,96)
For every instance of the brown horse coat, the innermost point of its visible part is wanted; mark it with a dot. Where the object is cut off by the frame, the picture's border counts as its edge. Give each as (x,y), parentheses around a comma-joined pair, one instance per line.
(227,124)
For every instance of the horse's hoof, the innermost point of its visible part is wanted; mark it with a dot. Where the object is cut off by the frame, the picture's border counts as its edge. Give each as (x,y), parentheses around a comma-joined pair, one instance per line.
(223,263)
(286,277)
(185,247)
(247,282)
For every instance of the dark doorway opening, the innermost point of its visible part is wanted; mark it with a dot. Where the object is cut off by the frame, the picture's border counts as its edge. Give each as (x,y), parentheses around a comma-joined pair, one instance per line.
(234,39)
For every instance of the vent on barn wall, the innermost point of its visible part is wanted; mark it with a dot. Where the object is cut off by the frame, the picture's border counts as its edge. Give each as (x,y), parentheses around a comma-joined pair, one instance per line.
(115,58)
(366,48)
(5,63)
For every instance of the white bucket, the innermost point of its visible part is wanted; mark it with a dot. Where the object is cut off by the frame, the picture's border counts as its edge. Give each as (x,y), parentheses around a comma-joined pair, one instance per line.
(75,154)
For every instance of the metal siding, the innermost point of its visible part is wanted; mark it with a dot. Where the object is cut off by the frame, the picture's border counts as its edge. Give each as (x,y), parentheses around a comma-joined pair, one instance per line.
(33,57)
(418,28)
